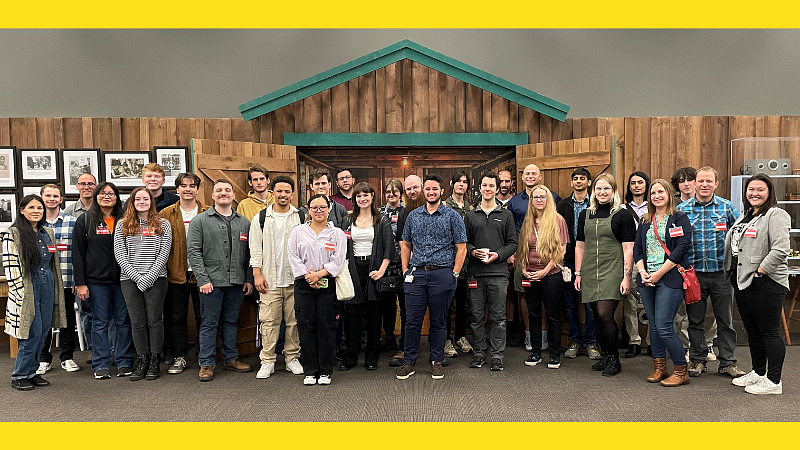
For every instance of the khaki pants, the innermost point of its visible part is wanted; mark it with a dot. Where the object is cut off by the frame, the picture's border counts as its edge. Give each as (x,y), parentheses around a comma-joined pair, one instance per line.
(272,307)
(682,325)
(630,315)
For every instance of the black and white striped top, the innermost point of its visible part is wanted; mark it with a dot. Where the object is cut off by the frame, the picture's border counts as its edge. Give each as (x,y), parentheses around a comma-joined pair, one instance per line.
(143,257)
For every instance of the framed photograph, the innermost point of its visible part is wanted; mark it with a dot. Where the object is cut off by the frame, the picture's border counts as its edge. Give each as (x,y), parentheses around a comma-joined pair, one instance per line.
(124,169)
(39,165)
(27,190)
(8,210)
(77,162)
(7,166)
(69,202)
(174,160)
(124,197)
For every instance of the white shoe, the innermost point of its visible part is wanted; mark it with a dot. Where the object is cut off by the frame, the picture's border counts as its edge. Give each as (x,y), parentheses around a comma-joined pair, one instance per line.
(765,386)
(449,350)
(747,380)
(43,368)
(70,366)
(309,380)
(688,359)
(464,345)
(266,370)
(528,345)
(295,367)
(324,380)
(711,356)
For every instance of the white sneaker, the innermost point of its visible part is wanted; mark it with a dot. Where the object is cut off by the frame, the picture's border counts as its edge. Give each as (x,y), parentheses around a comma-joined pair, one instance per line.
(464,345)
(266,370)
(43,368)
(70,366)
(309,380)
(747,380)
(324,380)
(295,367)
(449,350)
(528,345)
(765,386)
(688,359)
(711,355)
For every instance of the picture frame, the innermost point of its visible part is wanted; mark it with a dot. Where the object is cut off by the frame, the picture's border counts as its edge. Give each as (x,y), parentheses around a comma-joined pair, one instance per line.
(76,162)
(124,169)
(8,209)
(38,165)
(27,190)
(69,202)
(8,167)
(173,160)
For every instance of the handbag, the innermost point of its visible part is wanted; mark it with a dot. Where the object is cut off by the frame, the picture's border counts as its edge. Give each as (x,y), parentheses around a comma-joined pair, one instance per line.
(389,285)
(344,284)
(566,273)
(691,287)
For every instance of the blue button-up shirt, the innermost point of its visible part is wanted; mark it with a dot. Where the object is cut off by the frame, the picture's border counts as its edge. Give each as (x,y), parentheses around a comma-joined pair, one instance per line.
(708,242)
(577,209)
(433,236)
(62,229)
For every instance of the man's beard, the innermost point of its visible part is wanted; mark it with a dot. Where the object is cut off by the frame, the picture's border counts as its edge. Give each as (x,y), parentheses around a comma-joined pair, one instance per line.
(435,201)
(414,204)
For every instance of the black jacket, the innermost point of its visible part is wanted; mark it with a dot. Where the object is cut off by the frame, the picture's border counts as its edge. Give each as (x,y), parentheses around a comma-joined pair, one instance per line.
(566,208)
(382,248)
(497,232)
(678,247)
(93,255)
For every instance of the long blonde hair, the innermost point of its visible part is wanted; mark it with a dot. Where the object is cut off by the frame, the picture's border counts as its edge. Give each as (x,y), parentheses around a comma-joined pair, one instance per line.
(615,200)
(548,242)
(651,209)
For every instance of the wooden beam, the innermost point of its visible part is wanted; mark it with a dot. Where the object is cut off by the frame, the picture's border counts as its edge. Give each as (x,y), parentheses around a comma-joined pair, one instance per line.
(507,155)
(405,139)
(600,158)
(216,174)
(314,160)
(229,162)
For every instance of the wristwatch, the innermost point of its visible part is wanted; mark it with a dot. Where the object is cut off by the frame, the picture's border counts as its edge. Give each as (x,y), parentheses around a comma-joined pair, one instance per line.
(455,274)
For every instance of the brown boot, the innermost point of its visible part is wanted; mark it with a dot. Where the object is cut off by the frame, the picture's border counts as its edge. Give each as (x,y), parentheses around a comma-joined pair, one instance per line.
(206,373)
(679,376)
(237,366)
(659,370)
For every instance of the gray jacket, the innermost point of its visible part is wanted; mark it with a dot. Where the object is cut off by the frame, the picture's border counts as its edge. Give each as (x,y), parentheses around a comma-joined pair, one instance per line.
(768,249)
(206,242)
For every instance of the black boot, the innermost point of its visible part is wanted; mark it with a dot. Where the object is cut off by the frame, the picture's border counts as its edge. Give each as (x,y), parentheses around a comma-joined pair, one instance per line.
(633,351)
(512,335)
(141,367)
(614,367)
(602,362)
(154,371)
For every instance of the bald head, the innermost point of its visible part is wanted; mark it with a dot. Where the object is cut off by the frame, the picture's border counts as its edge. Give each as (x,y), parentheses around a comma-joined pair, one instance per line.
(413,186)
(531,176)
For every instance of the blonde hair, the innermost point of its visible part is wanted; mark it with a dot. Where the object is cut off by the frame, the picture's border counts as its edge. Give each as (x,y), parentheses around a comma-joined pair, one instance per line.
(615,200)
(548,242)
(651,210)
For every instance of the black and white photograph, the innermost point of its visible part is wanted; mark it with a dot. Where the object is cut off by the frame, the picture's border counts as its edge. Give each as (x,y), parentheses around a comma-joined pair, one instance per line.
(8,209)
(125,168)
(7,167)
(39,165)
(28,190)
(76,163)
(173,160)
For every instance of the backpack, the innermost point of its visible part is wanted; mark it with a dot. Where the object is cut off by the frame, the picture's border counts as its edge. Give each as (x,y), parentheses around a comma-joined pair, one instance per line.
(262,217)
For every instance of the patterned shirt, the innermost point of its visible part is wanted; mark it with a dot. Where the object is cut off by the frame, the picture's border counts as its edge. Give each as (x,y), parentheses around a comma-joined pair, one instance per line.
(655,252)
(577,209)
(433,236)
(62,228)
(461,211)
(710,222)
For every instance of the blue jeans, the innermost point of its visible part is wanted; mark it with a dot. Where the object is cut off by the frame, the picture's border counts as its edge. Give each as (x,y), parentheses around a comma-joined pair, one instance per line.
(28,352)
(661,303)
(573,302)
(431,290)
(108,306)
(222,303)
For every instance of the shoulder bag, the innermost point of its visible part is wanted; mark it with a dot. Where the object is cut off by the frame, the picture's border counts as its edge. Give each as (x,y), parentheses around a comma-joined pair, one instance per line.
(691,287)
(344,284)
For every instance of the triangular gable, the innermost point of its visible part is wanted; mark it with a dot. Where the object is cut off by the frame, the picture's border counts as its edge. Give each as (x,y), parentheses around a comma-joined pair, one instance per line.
(391,54)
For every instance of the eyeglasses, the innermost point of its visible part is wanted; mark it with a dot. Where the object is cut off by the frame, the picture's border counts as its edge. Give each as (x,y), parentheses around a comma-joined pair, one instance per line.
(107,194)
(346,177)
(318,208)
(86,184)
(539,198)
(392,192)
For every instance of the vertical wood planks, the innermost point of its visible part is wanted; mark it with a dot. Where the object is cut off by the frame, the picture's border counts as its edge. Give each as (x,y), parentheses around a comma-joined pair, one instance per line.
(499,114)
(340,110)
(352,98)
(23,132)
(367,104)
(420,97)
(380,100)
(313,114)
(394,98)
(474,109)
(437,104)
(408,98)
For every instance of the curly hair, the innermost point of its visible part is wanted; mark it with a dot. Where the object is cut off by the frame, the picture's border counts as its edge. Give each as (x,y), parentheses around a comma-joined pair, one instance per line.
(130,220)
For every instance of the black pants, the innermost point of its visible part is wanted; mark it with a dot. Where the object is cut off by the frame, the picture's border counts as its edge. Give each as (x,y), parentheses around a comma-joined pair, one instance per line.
(459,303)
(389,313)
(760,306)
(605,324)
(66,336)
(550,292)
(316,311)
(355,315)
(176,312)
(146,311)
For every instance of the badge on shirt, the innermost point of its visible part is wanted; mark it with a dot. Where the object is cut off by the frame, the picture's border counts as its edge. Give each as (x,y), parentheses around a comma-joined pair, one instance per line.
(750,232)
(51,248)
(330,246)
(394,218)
(102,230)
(243,237)
(61,247)
(347,235)
(148,232)
(472,284)
(675,232)
(721,226)
(526,283)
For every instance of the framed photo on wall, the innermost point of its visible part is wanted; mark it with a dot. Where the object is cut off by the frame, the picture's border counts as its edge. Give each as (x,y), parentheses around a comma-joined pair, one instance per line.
(8,209)
(124,169)
(77,162)
(7,167)
(174,160)
(27,190)
(39,165)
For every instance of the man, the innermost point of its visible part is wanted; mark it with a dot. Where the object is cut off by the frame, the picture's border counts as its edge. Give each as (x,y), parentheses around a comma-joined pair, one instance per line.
(260,197)
(683,181)
(273,277)
(182,283)
(321,184)
(636,202)
(711,217)
(436,237)
(219,256)
(504,193)
(345,182)
(62,225)
(489,226)
(153,180)
(459,185)
(518,205)
(570,209)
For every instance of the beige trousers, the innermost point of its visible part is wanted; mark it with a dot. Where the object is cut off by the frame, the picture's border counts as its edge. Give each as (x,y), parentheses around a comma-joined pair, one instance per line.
(272,307)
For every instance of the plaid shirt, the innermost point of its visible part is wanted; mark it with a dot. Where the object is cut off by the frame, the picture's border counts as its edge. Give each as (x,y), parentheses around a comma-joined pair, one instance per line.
(708,233)
(62,229)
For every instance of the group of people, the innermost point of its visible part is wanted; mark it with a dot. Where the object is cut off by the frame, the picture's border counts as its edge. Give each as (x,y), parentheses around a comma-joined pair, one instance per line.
(133,268)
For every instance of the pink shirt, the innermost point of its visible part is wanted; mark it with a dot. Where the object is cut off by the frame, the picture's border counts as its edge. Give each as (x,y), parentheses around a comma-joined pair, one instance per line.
(535,263)
(309,252)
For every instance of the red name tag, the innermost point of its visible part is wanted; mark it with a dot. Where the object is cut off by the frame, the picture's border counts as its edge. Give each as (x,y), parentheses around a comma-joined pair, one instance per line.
(721,227)
(330,246)
(242,236)
(394,219)
(675,232)
(347,234)
(750,232)
(51,248)
(526,283)
(472,284)
(148,232)
(102,230)
(61,247)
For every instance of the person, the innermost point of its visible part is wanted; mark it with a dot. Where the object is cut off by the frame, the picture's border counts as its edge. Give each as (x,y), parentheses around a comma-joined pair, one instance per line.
(273,279)
(317,251)
(756,249)
(392,210)
(504,193)
(459,184)
(216,245)
(683,183)
(636,202)
(62,226)
(260,197)
(604,244)
(711,217)
(142,243)
(432,251)
(370,249)
(543,242)
(321,185)
(662,244)
(97,280)
(345,182)
(35,289)
(570,209)
(491,240)
(153,178)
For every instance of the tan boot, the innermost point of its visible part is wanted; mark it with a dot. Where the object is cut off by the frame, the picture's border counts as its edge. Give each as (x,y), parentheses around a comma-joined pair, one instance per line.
(659,370)
(679,376)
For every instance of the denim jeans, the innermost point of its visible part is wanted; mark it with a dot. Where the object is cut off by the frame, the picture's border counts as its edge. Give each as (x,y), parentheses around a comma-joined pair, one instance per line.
(28,351)
(223,303)
(67,336)
(431,290)
(108,305)
(573,303)
(661,303)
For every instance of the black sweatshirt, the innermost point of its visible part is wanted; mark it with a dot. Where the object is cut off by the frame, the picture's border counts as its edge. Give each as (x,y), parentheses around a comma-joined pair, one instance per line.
(497,232)
(93,255)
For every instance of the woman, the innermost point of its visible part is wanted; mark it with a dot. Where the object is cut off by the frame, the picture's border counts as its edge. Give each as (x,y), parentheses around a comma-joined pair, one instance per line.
(97,280)
(604,252)
(142,241)
(370,248)
(662,244)
(756,248)
(392,210)
(35,290)
(543,241)
(317,251)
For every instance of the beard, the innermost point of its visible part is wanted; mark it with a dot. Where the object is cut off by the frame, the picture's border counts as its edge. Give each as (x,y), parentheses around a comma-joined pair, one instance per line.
(414,204)
(434,201)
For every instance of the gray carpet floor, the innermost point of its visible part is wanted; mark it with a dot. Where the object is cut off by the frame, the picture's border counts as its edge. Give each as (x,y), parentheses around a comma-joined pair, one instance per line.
(519,393)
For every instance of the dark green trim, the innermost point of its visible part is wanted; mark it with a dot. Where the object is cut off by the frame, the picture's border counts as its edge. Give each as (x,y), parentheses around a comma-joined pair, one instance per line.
(405,139)
(391,54)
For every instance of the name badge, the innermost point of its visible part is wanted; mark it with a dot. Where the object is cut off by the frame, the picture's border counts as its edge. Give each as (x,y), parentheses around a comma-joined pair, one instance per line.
(148,232)
(61,247)
(242,236)
(472,284)
(347,234)
(526,283)
(750,232)
(394,218)
(102,230)
(51,248)
(330,246)
(721,226)
(676,232)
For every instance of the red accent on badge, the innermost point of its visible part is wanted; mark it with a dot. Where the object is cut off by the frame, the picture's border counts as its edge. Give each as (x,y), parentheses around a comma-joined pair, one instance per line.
(394,218)
(721,227)
(61,247)
(242,236)
(675,232)
(51,248)
(330,246)
(148,232)
(472,284)
(102,230)
(347,234)
(750,232)
(526,283)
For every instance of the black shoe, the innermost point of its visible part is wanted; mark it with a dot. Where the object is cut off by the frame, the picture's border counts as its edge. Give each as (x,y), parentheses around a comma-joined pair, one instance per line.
(102,374)
(477,362)
(141,368)
(169,359)
(389,345)
(397,360)
(602,362)
(371,366)
(124,371)
(555,361)
(533,359)
(340,354)
(512,340)
(497,365)
(614,367)
(38,381)
(445,363)
(22,384)
(345,367)
(633,350)
(89,360)
(154,371)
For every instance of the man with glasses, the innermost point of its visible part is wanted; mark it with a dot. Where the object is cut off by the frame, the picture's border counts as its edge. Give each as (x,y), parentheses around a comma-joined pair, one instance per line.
(345,181)
(393,208)
(86,184)
(320,184)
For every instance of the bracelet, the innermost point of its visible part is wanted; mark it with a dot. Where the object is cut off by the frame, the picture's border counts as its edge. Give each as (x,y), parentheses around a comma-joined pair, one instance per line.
(577,273)
(642,271)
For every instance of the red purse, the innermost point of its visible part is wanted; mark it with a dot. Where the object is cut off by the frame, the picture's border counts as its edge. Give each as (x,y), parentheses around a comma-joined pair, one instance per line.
(691,287)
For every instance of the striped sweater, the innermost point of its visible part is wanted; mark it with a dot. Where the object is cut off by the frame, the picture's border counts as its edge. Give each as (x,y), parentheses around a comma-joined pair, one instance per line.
(142,258)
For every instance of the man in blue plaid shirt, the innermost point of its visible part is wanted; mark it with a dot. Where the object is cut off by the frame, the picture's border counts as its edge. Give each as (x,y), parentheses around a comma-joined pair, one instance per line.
(711,217)
(62,224)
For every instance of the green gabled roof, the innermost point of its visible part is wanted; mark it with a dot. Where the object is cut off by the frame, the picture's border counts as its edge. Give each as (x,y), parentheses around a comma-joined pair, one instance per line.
(391,54)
